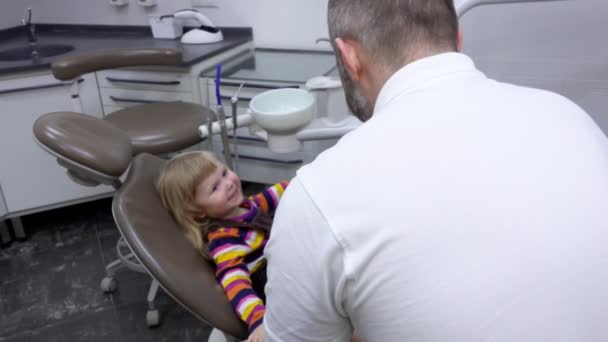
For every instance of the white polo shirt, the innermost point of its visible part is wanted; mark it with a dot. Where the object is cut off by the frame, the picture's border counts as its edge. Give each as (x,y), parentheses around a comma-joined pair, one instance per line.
(465,210)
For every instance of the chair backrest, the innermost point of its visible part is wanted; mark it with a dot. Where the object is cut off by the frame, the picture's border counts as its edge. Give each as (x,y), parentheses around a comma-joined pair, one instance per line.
(156,240)
(72,66)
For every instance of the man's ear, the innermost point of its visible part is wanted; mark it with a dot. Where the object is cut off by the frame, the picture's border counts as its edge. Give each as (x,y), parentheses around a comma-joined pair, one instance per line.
(349,53)
(459,41)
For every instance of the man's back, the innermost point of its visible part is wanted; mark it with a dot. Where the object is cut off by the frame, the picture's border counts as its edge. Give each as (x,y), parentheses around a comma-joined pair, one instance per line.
(464,210)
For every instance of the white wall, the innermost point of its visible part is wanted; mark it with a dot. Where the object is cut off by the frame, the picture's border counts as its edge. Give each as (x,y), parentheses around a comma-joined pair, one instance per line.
(276,23)
(11,13)
(559,46)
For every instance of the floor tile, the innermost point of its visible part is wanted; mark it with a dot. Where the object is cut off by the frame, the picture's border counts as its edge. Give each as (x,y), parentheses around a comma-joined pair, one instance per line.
(177,324)
(100,325)
(50,284)
(49,287)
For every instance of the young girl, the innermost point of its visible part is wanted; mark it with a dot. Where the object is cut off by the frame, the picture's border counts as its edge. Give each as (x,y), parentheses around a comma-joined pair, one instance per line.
(206,200)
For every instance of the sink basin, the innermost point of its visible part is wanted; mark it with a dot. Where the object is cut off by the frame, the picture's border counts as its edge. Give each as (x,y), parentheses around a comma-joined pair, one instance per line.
(26,52)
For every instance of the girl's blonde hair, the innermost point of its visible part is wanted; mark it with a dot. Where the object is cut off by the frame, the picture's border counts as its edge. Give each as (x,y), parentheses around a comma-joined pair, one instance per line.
(177,185)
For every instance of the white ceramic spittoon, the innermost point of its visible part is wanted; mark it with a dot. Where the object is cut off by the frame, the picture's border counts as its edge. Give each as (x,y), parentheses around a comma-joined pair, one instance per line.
(281,113)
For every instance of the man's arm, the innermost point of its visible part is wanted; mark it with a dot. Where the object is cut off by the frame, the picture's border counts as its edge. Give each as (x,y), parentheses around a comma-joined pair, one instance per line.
(306,275)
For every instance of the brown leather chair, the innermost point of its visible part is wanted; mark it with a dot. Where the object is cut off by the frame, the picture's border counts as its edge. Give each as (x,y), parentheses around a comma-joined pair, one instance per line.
(154,237)
(98,151)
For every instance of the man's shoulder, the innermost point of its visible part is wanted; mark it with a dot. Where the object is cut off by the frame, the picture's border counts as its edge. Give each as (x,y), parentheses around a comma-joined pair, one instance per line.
(329,164)
(534,96)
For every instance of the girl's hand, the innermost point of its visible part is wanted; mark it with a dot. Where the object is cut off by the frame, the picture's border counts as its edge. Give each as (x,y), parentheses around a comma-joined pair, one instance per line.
(257,335)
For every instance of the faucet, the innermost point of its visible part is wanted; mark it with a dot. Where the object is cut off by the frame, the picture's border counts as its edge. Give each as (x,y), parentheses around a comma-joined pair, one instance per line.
(30,29)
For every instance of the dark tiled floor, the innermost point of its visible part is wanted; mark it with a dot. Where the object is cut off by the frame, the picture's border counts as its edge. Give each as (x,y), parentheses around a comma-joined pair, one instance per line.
(49,285)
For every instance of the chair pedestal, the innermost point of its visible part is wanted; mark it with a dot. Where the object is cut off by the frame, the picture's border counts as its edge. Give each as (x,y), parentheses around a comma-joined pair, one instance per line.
(218,336)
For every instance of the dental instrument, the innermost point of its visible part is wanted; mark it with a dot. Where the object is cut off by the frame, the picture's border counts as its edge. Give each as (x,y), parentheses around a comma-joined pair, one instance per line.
(222,119)
(234,100)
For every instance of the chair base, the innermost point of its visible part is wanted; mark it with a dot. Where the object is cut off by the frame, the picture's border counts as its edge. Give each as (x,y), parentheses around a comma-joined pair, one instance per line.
(5,231)
(218,336)
(126,259)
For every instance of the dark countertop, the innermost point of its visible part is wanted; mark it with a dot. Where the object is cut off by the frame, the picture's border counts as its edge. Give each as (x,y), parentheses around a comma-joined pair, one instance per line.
(87,38)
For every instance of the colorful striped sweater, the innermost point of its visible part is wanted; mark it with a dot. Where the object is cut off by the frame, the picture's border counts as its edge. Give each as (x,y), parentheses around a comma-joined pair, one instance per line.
(238,252)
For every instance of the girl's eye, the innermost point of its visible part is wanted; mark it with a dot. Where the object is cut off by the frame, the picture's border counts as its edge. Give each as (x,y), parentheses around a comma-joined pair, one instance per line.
(214,188)
(224,173)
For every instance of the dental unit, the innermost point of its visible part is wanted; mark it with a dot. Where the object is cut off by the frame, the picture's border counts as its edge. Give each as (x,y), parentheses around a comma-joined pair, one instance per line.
(285,118)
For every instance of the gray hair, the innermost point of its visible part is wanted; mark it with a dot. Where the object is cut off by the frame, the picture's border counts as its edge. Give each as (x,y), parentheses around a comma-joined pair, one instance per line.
(393,31)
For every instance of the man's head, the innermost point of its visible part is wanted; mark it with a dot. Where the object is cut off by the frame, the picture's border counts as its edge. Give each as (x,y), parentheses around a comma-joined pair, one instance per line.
(374,39)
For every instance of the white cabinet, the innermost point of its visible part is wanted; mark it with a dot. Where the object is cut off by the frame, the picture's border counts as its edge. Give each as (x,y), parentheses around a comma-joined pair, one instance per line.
(126,87)
(30,177)
(123,88)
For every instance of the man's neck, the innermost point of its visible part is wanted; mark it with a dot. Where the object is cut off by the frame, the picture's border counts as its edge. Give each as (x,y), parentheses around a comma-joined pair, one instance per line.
(378,74)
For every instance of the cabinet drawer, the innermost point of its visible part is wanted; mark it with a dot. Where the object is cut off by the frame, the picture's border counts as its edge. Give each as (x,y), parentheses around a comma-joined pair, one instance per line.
(110,109)
(125,98)
(146,80)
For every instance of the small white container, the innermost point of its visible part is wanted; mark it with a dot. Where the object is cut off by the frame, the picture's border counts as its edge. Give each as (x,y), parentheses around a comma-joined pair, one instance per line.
(166,28)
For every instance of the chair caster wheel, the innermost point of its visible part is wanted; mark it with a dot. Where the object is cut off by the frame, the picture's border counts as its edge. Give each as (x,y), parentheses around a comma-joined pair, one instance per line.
(153,318)
(108,285)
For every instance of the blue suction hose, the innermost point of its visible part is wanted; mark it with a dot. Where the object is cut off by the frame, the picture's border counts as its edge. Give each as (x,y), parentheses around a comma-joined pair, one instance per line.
(218,73)
(222,118)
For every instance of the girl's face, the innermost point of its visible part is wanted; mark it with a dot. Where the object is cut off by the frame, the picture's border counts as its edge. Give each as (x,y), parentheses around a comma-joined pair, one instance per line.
(220,194)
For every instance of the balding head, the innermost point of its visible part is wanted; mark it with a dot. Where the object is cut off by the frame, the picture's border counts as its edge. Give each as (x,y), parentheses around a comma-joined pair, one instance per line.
(375,38)
(395,32)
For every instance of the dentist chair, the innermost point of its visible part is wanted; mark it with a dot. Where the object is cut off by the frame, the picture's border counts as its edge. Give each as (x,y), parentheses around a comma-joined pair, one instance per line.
(147,229)
(170,258)
(100,151)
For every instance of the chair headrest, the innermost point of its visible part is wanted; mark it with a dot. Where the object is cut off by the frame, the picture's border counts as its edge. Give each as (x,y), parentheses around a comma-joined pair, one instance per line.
(84,144)
(158,243)
(72,66)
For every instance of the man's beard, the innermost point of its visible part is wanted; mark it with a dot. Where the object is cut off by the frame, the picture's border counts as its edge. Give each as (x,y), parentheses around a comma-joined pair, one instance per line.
(357,103)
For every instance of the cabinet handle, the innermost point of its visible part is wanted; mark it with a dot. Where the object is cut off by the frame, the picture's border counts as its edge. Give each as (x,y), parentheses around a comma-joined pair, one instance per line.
(122,99)
(256,85)
(271,160)
(42,86)
(122,80)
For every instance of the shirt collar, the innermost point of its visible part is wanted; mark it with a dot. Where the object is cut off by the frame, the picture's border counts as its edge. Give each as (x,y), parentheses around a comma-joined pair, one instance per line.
(416,74)
(251,211)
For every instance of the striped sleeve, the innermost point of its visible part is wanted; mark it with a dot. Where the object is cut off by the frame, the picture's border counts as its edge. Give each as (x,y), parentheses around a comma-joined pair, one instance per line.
(268,200)
(228,251)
